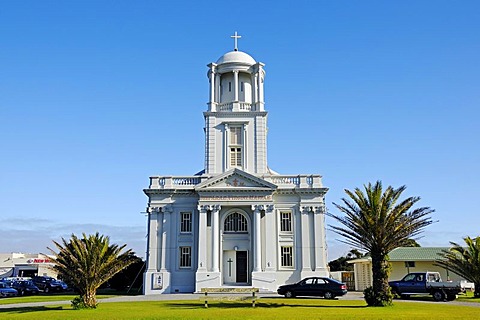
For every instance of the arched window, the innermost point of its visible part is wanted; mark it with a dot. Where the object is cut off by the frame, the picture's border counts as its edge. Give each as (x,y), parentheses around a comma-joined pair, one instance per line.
(235,222)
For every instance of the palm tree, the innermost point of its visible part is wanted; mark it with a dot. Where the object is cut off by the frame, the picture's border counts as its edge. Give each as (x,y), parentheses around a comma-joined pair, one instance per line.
(464,261)
(87,263)
(377,222)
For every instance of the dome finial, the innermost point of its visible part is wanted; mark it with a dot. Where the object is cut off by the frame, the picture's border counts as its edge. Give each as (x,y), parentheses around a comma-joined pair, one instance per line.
(236,37)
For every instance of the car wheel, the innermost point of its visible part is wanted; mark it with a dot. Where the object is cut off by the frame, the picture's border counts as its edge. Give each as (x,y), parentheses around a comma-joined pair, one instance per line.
(328,295)
(438,296)
(289,294)
(47,290)
(451,297)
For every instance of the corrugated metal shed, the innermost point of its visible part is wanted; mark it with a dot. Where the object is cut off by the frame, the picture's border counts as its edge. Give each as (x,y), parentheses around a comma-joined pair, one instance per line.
(416,253)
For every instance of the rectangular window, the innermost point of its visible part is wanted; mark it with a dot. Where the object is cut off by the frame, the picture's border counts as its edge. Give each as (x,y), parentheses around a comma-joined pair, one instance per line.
(236,157)
(286,221)
(235,135)
(236,146)
(186,222)
(286,256)
(241,86)
(185,257)
(229,86)
(409,264)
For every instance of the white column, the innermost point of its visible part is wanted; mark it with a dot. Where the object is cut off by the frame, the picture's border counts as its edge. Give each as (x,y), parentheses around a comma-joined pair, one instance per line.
(215,237)
(257,239)
(165,252)
(244,148)
(260,87)
(320,241)
(212,88)
(235,85)
(270,239)
(254,89)
(217,87)
(202,238)
(305,213)
(152,245)
(226,151)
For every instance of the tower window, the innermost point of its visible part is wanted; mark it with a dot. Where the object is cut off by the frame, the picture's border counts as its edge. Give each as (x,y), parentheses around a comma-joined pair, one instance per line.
(229,86)
(235,146)
(241,86)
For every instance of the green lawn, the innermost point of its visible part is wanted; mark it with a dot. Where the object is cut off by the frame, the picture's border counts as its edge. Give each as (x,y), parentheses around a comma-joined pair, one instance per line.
(467,297)
(46,297)
(266,309)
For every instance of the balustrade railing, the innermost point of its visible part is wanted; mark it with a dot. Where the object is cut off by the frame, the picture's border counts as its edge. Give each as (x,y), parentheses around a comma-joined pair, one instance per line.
(300,181)
(234,106)
(282,181)
(174,182)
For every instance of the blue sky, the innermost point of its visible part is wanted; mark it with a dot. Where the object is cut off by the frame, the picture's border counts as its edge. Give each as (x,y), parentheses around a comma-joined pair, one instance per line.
(96,96)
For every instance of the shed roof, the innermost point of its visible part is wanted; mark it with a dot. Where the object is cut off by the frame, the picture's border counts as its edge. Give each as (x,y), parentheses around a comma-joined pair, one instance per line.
(416,253)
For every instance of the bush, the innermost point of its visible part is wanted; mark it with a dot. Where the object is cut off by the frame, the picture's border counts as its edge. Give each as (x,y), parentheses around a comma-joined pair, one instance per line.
(378,299)
(78,303)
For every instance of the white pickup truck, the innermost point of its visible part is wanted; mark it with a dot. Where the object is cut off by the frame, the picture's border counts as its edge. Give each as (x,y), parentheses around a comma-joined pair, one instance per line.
(418,283)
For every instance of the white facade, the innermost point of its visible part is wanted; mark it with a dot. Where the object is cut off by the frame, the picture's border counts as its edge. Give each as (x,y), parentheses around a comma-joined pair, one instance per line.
(236,223)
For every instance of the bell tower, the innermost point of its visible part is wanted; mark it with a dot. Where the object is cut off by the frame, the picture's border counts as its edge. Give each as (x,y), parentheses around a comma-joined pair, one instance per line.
(236,120)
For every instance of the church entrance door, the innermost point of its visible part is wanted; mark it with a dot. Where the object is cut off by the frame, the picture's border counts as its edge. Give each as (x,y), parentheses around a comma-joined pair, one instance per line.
(235,267)
(242,267)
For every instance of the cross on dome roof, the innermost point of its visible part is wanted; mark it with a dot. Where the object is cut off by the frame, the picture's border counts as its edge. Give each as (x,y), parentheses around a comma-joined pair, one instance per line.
(236,37)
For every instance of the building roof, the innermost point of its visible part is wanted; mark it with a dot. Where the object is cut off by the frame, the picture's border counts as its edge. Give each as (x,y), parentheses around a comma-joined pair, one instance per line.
(416,253)
(236,57)
(408,254)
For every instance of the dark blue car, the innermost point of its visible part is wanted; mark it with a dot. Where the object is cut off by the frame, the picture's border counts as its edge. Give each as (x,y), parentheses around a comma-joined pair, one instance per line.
(25,287)
(314,286)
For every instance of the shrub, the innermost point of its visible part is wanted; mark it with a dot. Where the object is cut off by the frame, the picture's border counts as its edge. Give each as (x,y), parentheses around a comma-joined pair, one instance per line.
(378,299)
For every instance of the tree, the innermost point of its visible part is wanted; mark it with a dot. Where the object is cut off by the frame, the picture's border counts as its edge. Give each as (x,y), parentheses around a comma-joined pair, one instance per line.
(464,261)
(88,262)
(130,277)
(341,263)
(377,222)
(411,243)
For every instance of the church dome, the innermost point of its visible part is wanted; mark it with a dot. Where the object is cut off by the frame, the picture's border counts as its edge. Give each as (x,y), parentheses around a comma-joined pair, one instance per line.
(236,57)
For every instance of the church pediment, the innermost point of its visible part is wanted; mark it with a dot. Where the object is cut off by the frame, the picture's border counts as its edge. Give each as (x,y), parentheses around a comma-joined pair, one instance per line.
(235,180)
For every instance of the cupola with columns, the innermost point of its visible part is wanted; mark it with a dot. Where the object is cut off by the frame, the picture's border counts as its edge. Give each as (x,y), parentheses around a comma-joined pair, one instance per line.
(236,82)
(235,122)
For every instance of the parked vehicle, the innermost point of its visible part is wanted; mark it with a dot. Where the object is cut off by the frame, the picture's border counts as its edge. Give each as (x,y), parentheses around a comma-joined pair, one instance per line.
(7,291)
(64,285)
(25,287)
(47,284)
(314,286)
(425,283)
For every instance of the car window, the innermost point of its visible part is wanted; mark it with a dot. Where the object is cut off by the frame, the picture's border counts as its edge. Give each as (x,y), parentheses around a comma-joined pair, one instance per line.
(420,278)
(321,281)
(310,281)
(409,277)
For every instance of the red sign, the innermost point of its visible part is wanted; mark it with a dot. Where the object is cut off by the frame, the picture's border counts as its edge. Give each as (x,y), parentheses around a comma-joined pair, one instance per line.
(36,261)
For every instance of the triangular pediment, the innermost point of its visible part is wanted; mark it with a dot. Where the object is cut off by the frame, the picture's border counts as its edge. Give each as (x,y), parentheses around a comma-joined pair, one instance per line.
(235,179)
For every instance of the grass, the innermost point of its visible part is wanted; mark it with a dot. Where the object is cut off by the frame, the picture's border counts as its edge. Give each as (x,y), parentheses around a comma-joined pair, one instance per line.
(267,308)
(45,298)
(468,297)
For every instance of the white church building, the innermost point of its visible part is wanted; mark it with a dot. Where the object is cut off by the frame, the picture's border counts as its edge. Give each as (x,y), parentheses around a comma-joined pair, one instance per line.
(237,223)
